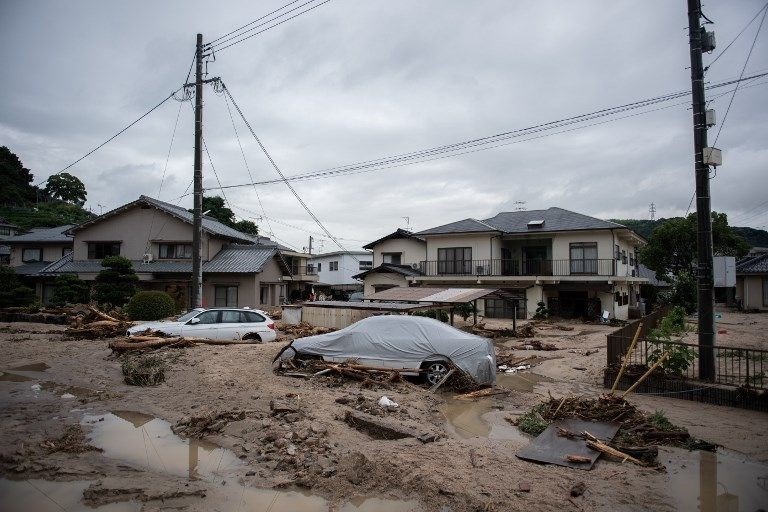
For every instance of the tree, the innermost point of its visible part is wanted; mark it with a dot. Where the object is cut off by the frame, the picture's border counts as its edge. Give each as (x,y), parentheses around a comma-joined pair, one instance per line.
(116,283)
(16,187)
(215,207)
(70,289)
(672,249)
(67,188)
(12,292)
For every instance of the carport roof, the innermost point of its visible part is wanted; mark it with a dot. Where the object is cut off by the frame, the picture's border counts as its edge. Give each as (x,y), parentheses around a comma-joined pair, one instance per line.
(432,295)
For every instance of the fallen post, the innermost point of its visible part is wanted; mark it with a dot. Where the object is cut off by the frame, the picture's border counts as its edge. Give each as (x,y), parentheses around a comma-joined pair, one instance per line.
(626,358)
(646,374)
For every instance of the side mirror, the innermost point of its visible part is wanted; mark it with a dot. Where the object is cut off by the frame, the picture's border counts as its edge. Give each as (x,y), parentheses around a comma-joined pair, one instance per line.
(194,321)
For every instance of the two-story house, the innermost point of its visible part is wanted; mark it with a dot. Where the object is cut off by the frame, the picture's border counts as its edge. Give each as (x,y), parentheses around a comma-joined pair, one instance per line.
(576,264)
(32,252)
(238,269)
(7,230)
(336,270)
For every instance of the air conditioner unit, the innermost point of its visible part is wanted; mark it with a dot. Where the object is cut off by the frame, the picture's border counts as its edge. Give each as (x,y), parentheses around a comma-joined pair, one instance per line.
(147,258)
(415,266)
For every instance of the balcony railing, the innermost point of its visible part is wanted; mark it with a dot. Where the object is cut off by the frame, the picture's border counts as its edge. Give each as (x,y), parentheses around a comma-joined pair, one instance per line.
(308,270)
(499,267)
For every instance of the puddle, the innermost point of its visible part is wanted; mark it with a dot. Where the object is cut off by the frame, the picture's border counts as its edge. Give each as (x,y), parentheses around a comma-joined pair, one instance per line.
(46,496)
(149,443)
(380,505)
(712,482)
(523,382)
(467,419)
(12,377)
(34,367)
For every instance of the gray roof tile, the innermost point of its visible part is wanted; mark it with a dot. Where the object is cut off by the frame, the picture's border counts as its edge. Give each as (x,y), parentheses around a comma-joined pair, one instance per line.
(757,264)
(42,235)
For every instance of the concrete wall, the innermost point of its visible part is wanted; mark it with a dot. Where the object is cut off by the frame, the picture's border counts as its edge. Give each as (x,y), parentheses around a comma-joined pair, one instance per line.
(337,318)
(480,244)
(134,227)
(749,288)
(413,251)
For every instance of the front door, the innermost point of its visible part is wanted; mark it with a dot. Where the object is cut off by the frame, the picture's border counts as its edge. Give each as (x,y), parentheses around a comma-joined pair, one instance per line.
(534,260)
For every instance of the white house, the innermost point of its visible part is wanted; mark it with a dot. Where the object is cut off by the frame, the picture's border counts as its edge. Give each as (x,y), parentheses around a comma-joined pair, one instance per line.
(335,269)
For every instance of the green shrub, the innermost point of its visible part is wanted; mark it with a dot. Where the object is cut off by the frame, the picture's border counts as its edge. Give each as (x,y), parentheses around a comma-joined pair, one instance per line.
(532,422)
(465,310)
(683,293)
(661,338)
(150,305)
(541,311)
(70,289)
(116,283)
(437,314)
(12,292)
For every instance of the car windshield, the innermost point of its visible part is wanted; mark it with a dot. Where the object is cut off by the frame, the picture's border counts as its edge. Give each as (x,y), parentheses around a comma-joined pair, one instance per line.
(188,315)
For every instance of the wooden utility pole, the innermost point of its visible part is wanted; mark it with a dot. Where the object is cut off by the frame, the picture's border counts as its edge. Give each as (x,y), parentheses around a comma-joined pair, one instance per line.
(197,222)
(705,278)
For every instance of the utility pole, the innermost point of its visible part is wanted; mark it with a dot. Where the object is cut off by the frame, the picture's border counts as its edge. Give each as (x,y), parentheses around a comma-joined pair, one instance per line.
(310,245)
(705,278)
(197,219)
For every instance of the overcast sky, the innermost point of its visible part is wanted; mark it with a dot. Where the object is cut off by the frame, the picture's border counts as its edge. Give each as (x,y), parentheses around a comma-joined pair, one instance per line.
(358,80)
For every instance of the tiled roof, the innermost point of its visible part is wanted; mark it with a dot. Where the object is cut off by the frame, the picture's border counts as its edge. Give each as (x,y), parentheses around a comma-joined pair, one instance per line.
(42,235)
(555,219)
(231,259)
(210,224)
(650,275)
(31,269)
(399,233)
(757,264)
(403,270)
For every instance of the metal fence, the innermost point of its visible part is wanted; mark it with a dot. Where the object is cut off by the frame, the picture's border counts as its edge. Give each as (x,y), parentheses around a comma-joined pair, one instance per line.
(509,267)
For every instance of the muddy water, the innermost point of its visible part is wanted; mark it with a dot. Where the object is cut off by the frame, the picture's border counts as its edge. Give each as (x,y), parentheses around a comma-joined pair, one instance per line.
(715,482)
(12,377)
(380,505)
(46,496)
(34,367)
(521,381)
(478,418)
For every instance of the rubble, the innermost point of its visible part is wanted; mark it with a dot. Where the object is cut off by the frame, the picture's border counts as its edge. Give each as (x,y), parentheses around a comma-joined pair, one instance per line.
(212,423)
(383,428)
(301,330)
(88,322)
(71,441)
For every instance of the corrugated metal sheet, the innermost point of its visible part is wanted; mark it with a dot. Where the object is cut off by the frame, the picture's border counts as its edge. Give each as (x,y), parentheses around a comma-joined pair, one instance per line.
(240,258)
(432,295)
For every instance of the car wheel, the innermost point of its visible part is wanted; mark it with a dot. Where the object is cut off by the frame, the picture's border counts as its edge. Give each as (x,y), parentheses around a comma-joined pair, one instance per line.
(252,336)
(436,371)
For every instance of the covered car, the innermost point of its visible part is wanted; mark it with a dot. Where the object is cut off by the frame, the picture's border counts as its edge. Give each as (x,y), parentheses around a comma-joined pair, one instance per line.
(403,342)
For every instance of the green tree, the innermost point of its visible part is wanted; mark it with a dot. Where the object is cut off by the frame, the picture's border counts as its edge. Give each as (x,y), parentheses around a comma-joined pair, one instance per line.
(67,188)
(70,289)
(247,226)
(671,249)
(16,187)
(216,208)
(12,292)
(116,283)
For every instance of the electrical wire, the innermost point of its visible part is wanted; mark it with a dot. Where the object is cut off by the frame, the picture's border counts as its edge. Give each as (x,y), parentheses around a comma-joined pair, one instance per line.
(252,22)
(735,38)
(225,46)
(743,69)
(485,143)
(282,176)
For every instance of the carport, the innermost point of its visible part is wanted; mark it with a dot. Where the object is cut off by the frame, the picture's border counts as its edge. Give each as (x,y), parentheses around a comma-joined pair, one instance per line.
(441,298)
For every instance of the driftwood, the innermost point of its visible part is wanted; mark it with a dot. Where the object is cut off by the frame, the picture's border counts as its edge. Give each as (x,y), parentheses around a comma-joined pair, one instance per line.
(103,315)
(482,393)
(580,459)
(123,345)
(646,374)
(604,448)
(626,357)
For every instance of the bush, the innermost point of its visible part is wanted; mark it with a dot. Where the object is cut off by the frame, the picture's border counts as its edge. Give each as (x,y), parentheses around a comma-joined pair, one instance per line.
(437,314)
(541,311)
(680,356)
(70,289)
(465,310)
(683,293)
(12,292)
(150,305)
(116,283)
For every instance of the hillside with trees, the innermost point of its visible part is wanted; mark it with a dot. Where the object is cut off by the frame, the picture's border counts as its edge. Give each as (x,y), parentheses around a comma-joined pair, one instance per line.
(645,228)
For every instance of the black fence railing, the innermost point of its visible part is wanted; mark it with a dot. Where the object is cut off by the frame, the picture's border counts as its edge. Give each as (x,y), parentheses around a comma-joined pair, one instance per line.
(509,267)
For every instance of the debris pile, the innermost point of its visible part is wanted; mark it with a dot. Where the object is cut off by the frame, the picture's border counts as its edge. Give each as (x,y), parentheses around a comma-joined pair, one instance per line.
(637,430)
(144,371)
(523,331)
(72,441)
(537,345)
(300,330)
(90,323)
(207,424)
(275,314)
(369,376)
(151,340)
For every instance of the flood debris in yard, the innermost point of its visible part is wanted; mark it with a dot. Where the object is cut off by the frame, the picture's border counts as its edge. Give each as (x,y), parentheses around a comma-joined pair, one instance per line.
(537,345)
(88,322)
(637,430)
(207,424)
(300,330)
(144,370)
(523,331)
(385,428)
(73,440)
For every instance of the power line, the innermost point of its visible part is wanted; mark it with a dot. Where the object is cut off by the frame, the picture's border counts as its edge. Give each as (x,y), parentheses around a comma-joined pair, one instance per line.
(737,36)
(743,69)
(252,22)
(279,172)
(220,48)
(484,142)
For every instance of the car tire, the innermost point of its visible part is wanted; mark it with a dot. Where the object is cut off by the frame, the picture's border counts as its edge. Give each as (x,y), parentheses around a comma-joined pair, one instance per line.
(435,371)
(252,336)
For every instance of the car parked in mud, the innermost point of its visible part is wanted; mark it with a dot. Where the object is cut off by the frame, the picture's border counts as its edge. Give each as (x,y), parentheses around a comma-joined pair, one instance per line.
(424,345)
(225,324)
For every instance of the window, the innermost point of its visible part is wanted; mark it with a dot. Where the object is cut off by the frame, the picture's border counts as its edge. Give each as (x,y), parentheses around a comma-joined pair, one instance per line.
(31,255)
(618,252)
(231,317)
(624,257)
(100,250)
(66,250)
(333,266)
(366,265)
(393,258)
(250,317)
(225,296)
(631,259)
(617,297)
(5,231)
(584,258)
(319,267)
(454,260)
(175,251)
(208,317)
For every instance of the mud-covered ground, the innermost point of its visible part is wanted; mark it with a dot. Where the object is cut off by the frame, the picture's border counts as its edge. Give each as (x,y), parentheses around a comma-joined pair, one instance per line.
(74,435)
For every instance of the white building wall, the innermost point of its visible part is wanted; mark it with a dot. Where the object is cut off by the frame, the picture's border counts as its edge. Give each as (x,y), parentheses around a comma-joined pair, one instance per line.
(413,251)
(480,244)
(348,267)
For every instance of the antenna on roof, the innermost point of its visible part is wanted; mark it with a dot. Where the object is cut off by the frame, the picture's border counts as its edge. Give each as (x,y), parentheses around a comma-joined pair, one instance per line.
(407,223)
(519,206)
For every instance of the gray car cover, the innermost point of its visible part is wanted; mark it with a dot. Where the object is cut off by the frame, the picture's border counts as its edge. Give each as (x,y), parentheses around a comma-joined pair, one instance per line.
(407,339)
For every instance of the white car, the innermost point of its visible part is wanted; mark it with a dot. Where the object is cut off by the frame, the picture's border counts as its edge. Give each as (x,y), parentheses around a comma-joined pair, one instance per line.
(225,324)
